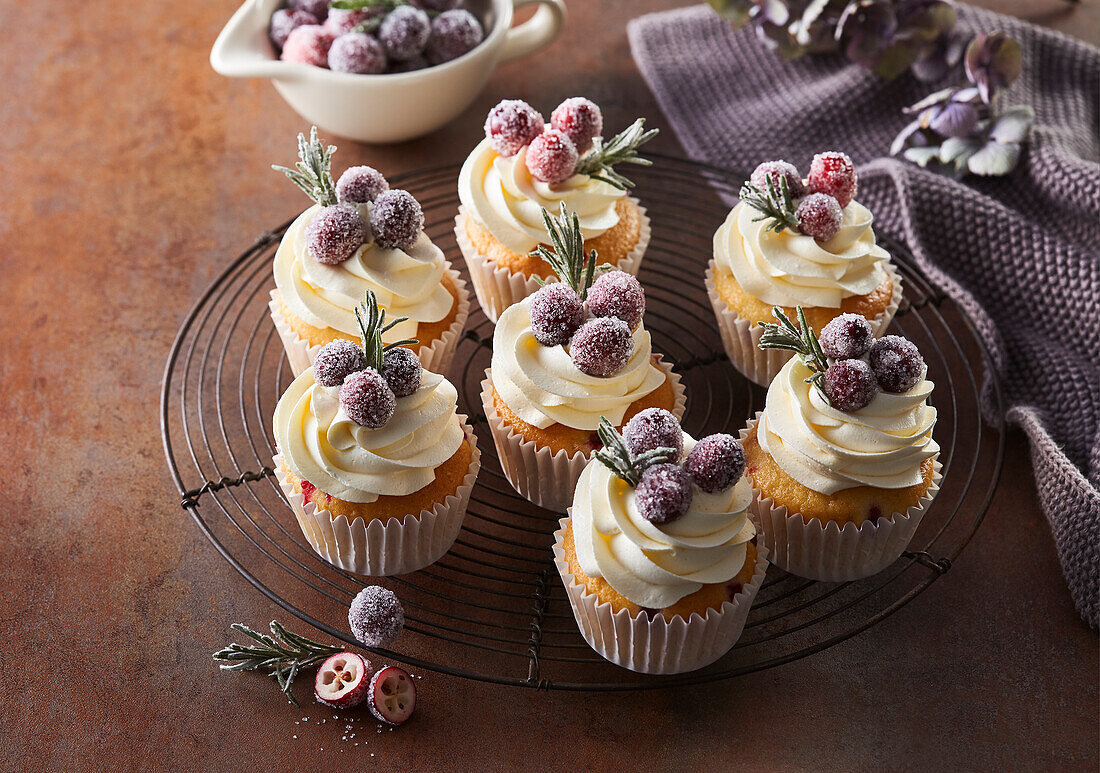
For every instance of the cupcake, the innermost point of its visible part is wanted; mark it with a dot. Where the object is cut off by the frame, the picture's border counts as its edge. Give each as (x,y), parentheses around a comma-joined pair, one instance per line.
(842,458)
(524,166)
(571,353)
(372,455)
(658,554)
(792,242)
(361,236)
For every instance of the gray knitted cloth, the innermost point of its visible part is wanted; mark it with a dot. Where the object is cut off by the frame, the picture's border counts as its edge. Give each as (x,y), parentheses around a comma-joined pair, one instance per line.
(1021,253)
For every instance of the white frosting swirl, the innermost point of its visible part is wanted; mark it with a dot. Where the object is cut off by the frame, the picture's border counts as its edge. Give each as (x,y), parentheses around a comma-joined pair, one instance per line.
(657,565)
(322,445)
(826,450)
(407,283)
(792,269)
(542,386)
(501,193)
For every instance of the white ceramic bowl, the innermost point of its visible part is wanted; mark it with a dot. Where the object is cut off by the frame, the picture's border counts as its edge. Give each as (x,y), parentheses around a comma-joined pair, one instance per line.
(383,108)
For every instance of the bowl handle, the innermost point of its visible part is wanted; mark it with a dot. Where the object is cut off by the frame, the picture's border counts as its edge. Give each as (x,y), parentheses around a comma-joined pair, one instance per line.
(241,48)
(537,32)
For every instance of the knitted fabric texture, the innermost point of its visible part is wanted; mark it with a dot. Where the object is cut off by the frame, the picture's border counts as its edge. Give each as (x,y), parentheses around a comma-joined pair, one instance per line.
(1020,253)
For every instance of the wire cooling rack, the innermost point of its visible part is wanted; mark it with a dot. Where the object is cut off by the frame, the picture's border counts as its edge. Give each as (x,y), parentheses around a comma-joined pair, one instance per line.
(494,608)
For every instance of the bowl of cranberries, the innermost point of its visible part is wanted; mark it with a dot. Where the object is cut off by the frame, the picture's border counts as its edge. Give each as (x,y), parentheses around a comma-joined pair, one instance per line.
(380,70)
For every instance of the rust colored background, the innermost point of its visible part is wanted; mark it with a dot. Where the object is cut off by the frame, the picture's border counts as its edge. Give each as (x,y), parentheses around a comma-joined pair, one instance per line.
(132,173)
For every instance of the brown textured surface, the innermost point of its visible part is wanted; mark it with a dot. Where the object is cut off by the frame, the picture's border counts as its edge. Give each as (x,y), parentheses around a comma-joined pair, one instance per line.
(133,173)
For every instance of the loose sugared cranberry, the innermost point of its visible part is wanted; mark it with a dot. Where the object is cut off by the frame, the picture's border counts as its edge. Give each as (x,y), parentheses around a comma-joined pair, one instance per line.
(716,463)
(776,171)
(337,360)
(396,218)
(404,32)
(341,21)
(846,337)
(357,52)
(286,20)
(376,616)
(601,346)
(367,399)
(335,233)
(819,215)
(618,294)
(556,313)
(896,363)
(512,124)
(580,120)
(453,34)
(654,428)
(664,493)
(318,8)
(409,65)
(308,44)
(402,370)
(360,184)
(551,157)
(833,173)
(850,385)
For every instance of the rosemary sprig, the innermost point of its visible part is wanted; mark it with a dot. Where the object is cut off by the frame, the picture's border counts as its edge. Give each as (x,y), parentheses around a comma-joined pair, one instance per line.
(372,324)
(313,172)
(774,203)
(801,340)
(282,655)
(621,149)
(375,21)
(567,257)
(616,457)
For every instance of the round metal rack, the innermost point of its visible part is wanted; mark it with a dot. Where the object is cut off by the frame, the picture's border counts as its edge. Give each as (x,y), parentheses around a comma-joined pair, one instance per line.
(494,608)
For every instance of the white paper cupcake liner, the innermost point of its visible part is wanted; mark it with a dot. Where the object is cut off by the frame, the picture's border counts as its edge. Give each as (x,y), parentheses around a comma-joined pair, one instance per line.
(498,288)
(545,478)
(830,552)
(657,645)
(436,358)
(740,336)
(383,548)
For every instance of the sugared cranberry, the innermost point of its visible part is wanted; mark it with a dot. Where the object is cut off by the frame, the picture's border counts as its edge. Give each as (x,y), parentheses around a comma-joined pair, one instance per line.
(556,313)
(776,171)
(512,124)
(896,363)
(551,157)
(343,680)
(618,294)
(439,6)
(376,616)
(335,233)
(819,215)
(286,20)
(308,44)
(402,370)
(654,428)
(833,173)
(850,385)
(367,399)
(396,218)
(846,337)
(318,8)
(392,695)
(453,34)
(360,184)
(357,52)
(664,493)
(404,32)
(341,21)
(601,346)
(716,463)
(337,360)
(580,120)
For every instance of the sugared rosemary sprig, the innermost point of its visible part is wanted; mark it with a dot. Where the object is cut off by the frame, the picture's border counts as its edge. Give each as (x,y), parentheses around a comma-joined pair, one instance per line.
(774,204)
(375,21)
(282,655)
(801,340)
(567,257)
(616,456)
(313,172)
(372,324)
(621,149)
